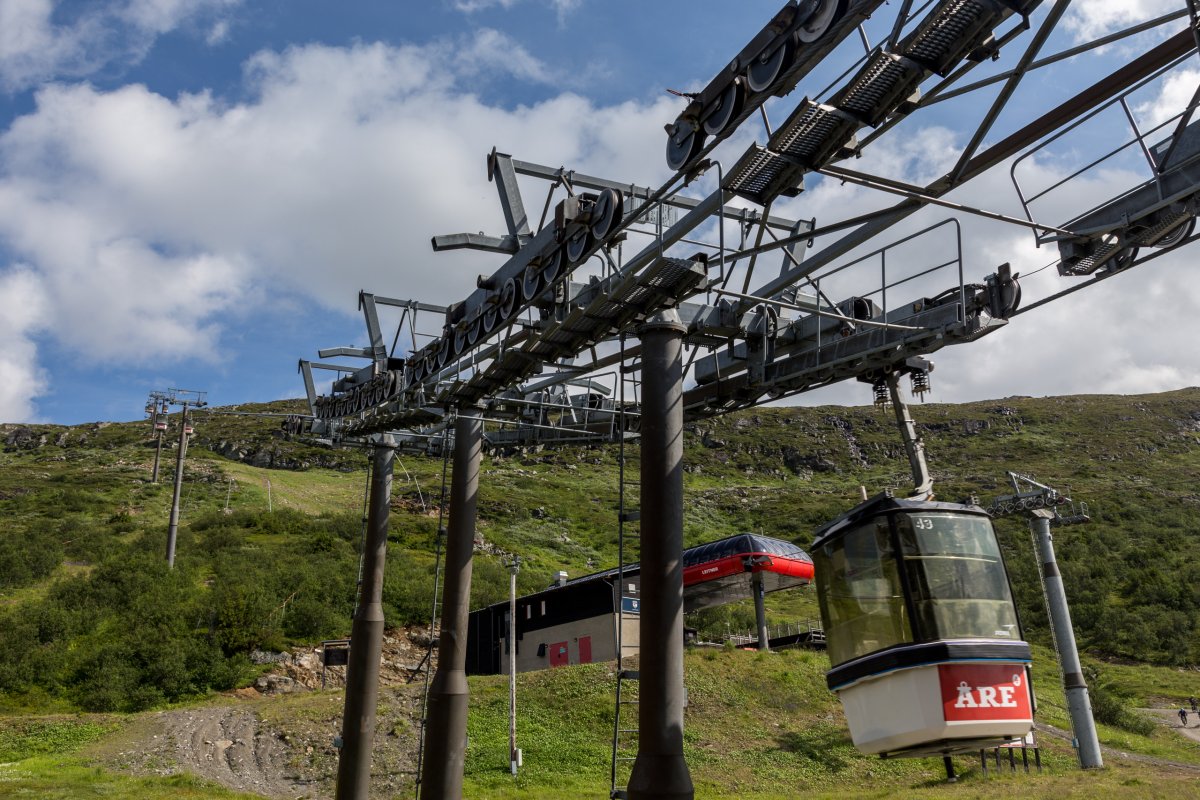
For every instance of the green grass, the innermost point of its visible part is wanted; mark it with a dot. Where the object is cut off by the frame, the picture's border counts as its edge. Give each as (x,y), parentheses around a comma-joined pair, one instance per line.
(757,726)
(24,738)
(1132,575)
(70,779)
(312,492)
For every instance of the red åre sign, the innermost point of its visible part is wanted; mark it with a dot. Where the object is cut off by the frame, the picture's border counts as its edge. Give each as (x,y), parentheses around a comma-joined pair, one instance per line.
(974,692)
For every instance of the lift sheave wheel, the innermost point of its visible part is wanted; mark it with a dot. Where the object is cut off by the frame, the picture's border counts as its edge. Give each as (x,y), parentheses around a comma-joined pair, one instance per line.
(828,12)
(551,265)
(727,106)
(577,245)
(684,141)
(768,66)
(491,315)
(1121,260)
(1176,235)
(508,298)
(443,351)
(606,213)
(529,286)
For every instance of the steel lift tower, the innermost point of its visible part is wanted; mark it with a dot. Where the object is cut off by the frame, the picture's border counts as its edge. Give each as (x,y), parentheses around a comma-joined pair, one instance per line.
(185,399)
(535,353)
(1045,507)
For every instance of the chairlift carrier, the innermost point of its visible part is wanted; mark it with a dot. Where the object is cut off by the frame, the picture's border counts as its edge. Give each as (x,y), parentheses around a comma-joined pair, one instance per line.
(923,635)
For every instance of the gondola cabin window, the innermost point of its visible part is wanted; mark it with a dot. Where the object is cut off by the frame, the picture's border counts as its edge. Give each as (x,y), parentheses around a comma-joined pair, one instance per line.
(956,577)
(862,602)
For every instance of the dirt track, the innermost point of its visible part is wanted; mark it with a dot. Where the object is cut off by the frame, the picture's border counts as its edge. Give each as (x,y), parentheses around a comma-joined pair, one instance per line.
(280,745)
(227,744)
(238,745)
(1170,718)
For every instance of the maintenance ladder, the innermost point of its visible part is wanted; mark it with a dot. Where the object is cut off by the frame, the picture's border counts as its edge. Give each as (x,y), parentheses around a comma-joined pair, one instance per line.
(625,714)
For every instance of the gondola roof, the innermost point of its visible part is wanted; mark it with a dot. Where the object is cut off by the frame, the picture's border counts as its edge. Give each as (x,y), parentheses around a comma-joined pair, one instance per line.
(882,504)
(712,569)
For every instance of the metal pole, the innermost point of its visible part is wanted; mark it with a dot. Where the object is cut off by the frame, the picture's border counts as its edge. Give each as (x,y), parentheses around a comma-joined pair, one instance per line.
(1078,703)
(157,453)
(760,611)
(446,731)
(922,480)
(173,525)
(366,643)
(660,771)
(513,568)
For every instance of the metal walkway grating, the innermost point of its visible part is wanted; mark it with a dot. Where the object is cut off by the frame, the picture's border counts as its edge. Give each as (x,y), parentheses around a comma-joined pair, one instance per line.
(816,134)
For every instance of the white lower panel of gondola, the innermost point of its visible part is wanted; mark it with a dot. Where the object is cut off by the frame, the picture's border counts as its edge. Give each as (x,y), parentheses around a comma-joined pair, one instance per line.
(938,708)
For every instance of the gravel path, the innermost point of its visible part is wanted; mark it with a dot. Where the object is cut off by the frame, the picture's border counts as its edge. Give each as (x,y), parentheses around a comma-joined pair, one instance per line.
(292,755)
(1112,752)
(225,744)
(1170,718)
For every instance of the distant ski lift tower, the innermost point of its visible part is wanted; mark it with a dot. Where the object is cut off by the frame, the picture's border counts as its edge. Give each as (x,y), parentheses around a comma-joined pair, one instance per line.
(156,409)
(185,398)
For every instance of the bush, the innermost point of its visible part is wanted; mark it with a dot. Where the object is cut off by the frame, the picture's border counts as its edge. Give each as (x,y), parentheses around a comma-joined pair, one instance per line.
(27,557)
(1111,706)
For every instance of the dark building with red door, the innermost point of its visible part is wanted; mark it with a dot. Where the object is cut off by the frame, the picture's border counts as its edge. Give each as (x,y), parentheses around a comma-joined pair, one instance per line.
(575,621)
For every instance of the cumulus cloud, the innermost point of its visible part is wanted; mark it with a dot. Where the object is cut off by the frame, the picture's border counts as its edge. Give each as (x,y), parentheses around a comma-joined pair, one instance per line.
(22,315)
(36,46)
(1097,18)
(1176,93)
(143,222)
(148,220)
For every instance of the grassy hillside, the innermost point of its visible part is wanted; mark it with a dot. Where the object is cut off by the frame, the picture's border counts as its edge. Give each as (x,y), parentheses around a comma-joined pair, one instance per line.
(91,619)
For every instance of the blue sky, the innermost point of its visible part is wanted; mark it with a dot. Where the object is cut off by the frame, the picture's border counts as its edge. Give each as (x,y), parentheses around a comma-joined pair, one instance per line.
(193,193)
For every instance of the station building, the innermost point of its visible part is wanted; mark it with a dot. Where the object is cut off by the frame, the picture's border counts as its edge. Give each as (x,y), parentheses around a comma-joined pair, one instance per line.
(575,621)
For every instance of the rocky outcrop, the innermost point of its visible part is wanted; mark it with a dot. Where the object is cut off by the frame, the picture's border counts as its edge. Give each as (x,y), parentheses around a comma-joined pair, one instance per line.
(800,463)
(23,438)
(273,457)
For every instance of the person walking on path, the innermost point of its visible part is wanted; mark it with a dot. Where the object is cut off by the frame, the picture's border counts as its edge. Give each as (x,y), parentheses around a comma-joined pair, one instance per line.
(1183,716)
(1195,707)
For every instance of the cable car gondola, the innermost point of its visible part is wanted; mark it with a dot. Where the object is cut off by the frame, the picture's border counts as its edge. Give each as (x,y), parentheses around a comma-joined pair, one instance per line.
(924,642)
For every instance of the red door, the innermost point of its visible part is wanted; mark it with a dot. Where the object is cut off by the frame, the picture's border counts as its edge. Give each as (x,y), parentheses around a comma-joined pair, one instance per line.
(558,654)
(585,649)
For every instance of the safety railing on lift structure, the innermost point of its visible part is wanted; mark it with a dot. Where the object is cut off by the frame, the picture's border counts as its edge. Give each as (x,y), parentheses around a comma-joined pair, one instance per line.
(1155,165)
(810,343)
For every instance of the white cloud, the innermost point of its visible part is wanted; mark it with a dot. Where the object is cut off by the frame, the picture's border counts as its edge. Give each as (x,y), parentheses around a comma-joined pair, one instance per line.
(35,46)
(22,314)
(475,6)
(492,51)
(1177,91)
(149,220)
(218,33)
(1095,18)
(562,8)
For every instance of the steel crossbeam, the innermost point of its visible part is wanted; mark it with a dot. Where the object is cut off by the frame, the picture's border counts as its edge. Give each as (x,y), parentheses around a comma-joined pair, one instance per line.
(764,343)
